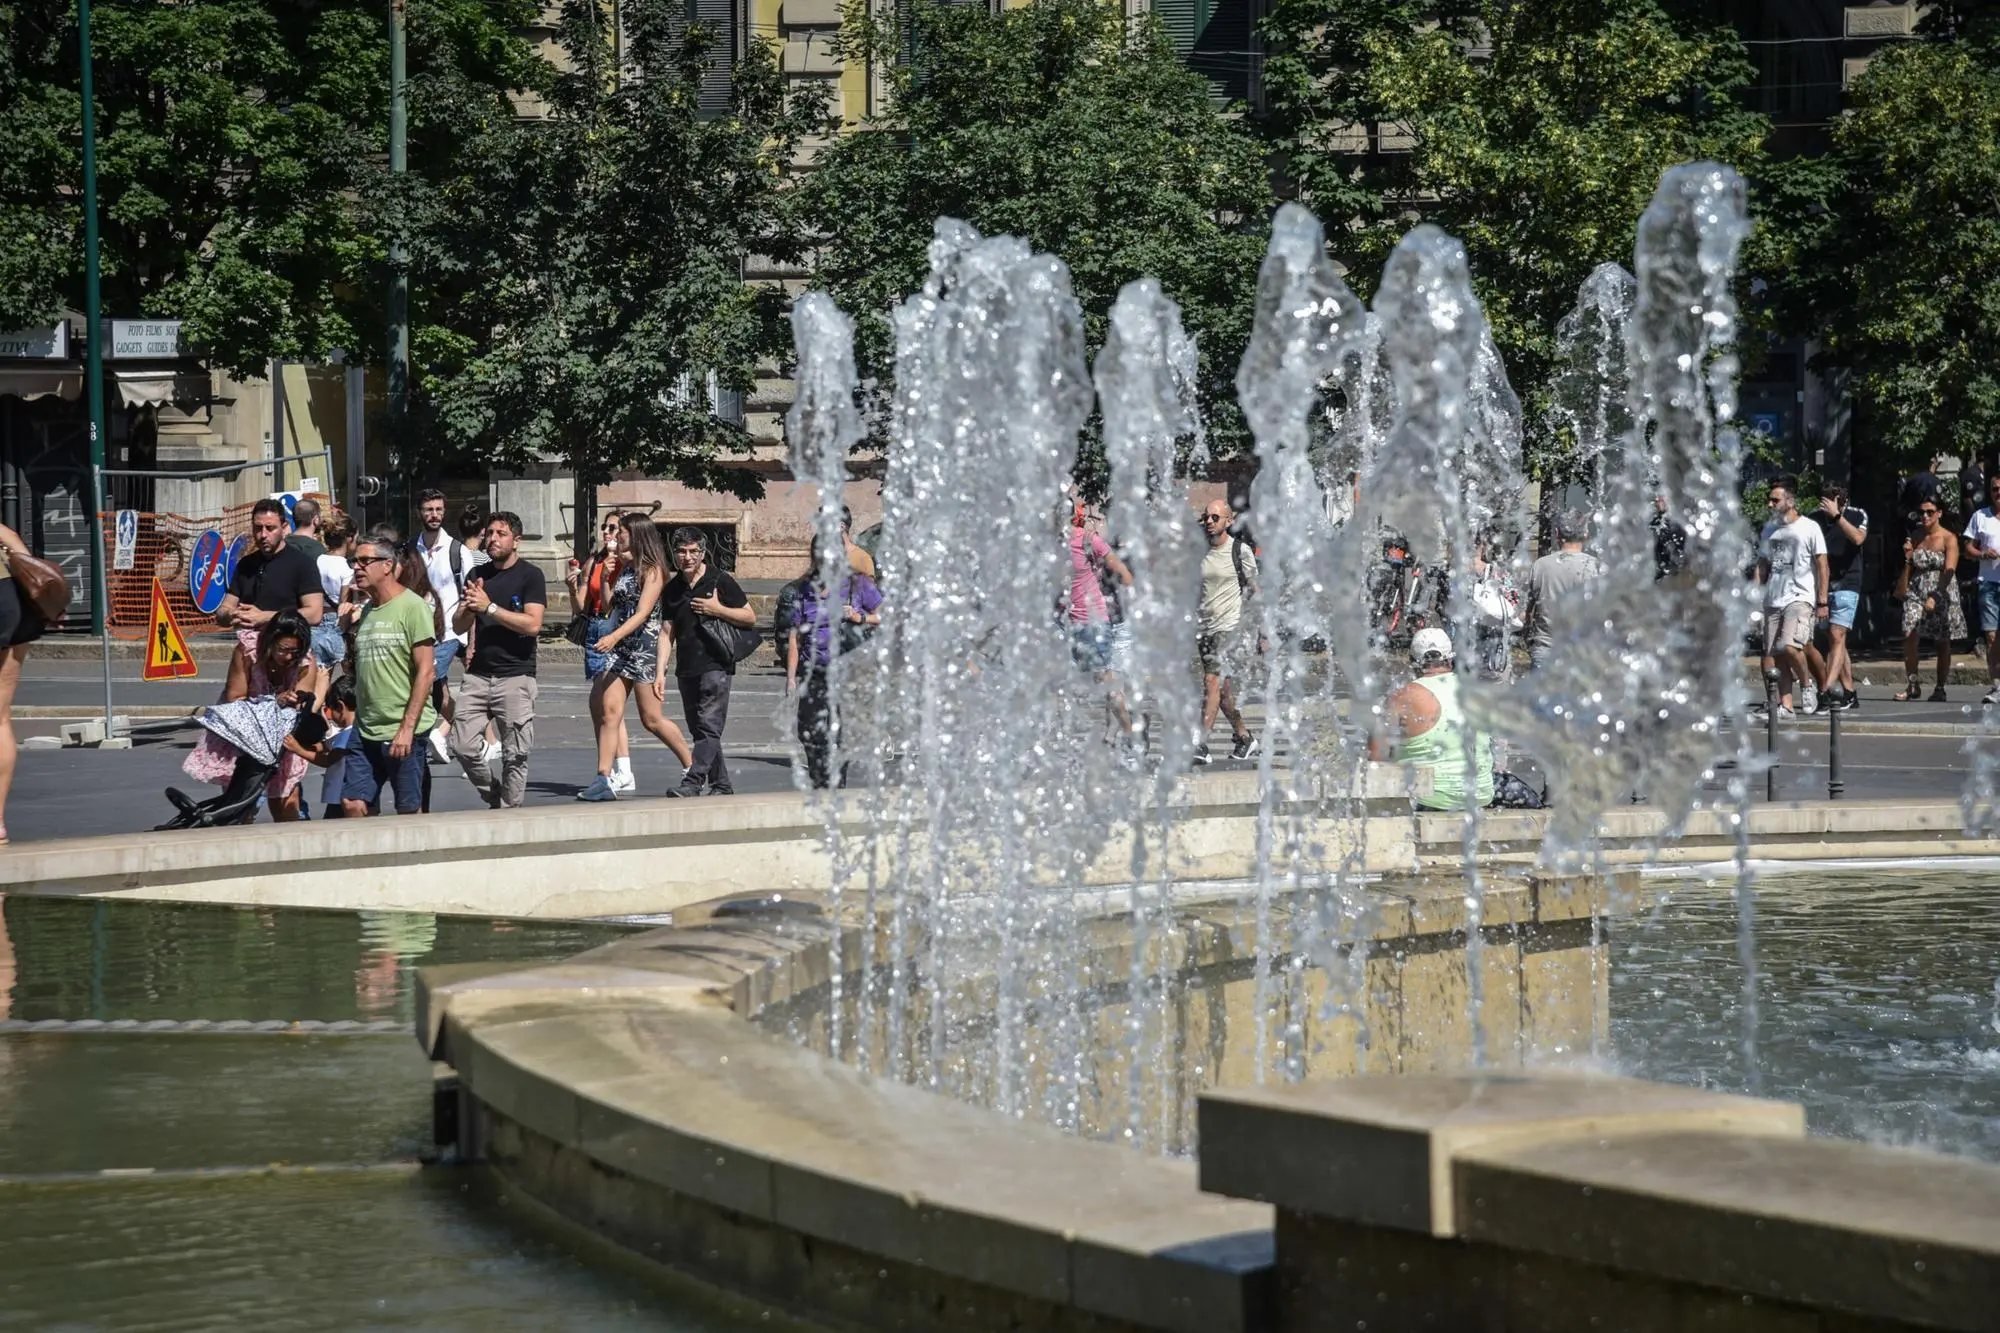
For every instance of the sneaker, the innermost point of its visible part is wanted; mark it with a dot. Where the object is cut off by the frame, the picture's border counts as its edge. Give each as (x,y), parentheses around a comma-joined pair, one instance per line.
(1245,747)
(598,790)
(1848,701)
(623,783)
(440,745)
(1992,697)
(1808,699)
(1786,715)
(1202,756)
(718,790)
(686,790)
(490,756)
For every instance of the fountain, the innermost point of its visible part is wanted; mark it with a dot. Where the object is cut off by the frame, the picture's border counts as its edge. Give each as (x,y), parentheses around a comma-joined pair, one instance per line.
(1028,1027)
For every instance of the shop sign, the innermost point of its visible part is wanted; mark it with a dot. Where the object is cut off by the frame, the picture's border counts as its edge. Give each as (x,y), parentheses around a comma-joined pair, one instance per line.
(44,344)
(142,339)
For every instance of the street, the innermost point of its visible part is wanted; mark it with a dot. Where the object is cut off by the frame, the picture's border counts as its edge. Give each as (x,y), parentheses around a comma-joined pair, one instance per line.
(1889,749)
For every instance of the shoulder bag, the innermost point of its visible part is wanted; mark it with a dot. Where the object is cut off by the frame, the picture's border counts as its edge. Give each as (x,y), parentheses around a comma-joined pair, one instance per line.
(41,584)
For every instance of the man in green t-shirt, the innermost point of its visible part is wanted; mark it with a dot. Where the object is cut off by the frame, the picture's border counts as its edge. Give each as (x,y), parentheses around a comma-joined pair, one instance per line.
(394,662)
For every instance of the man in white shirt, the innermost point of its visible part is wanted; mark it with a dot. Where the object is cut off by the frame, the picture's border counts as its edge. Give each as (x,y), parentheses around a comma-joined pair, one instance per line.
(449,563)
(1792,566)
(1982,543)
(1228,581)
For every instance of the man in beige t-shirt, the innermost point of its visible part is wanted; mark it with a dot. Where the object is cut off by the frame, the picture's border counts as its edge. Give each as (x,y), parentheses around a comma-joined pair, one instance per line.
(1228,581)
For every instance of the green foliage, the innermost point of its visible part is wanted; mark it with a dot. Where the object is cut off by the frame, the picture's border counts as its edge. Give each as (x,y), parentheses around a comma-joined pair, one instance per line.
(1058,123)
(237,143)
(577,267)
(1898,271)
(1537,134)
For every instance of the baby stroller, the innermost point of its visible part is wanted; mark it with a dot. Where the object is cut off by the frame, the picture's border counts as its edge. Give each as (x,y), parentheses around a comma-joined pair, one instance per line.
(257,729)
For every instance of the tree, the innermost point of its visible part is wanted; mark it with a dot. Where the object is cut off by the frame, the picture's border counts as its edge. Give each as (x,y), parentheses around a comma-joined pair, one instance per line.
(596,257)
(1898,274)
(1061,123)
(1534,132)
(237,142)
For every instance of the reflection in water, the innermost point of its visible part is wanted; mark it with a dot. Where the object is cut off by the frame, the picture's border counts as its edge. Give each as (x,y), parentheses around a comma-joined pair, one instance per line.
(375,1248)
(1877,991)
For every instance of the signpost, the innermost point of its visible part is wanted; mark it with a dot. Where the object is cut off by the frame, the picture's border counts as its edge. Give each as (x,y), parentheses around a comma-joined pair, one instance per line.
(127,553)
(208,573)
(167,655)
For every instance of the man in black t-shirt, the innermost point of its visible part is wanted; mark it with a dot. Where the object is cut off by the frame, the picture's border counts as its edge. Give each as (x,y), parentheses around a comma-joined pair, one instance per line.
(273,577)
(699,593)
(1846,528)
(502,610)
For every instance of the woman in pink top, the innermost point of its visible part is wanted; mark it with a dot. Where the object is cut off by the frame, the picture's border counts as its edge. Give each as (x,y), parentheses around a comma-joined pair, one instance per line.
(1090,634)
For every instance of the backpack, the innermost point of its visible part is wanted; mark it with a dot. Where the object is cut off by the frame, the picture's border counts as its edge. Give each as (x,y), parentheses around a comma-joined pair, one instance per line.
(1236,548)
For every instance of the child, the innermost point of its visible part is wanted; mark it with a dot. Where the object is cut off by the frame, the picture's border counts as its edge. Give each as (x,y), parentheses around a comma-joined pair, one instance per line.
(331,753)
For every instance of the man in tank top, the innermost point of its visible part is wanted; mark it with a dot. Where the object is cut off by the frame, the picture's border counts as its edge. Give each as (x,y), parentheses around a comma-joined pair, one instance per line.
(1426,729)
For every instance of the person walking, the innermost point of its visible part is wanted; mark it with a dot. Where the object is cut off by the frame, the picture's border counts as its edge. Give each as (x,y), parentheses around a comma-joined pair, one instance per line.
(20,625)
(506,599)
(1982,543)
(395,646)
(1228,580)
(1558,577)
(283,667)
(699,593)
(273,577)
(1928,590)
(305,536)
(814,635)
(1845,527)
(1791,565)
(448,562)
(633,652)
(590,593)
(1425,728)
(335,577)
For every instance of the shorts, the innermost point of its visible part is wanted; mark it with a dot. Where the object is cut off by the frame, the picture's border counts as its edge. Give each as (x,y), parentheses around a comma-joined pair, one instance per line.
(1217,653)
(1846,606)
(19,622)
(1090,645)
(594,662)
(1989,606)
(1789,626)
(369,767)
(1121,648)
(329,644)
(443,652)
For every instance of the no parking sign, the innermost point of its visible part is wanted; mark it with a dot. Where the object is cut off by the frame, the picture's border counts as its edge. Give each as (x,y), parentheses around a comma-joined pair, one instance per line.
(208,573)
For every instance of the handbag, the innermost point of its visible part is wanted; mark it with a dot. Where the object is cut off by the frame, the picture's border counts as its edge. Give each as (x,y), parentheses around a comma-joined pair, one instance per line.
(729,641)
(41,584)
(578,629)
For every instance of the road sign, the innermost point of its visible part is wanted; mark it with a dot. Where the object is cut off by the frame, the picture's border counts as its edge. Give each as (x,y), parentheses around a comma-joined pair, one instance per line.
(167,655)
(208,573)
(128,540)
(237,550)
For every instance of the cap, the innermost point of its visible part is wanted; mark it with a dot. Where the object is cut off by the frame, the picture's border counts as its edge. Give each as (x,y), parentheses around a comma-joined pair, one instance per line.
(1430,645)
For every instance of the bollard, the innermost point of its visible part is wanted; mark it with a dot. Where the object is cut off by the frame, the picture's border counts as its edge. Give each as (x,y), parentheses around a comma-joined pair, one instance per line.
(1835,787)
(1771,733)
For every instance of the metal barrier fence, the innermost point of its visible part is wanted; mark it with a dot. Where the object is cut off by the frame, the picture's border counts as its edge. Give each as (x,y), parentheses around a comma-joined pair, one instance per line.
(174,510)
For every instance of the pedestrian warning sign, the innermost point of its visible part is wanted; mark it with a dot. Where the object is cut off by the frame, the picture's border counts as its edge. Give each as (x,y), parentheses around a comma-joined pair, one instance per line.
(167,655)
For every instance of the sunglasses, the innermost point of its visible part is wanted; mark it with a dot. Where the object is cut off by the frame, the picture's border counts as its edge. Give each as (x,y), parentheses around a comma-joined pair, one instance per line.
(1213,518)
(357,561)
(1930,513)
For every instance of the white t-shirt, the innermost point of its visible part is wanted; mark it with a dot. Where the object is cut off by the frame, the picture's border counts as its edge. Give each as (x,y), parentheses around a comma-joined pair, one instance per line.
(1792,548)
(1984,530)
(334,576)
(1221,595)
(437,564)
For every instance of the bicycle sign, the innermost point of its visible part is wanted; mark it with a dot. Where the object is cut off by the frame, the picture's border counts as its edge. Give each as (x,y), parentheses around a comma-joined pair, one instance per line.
(208,573)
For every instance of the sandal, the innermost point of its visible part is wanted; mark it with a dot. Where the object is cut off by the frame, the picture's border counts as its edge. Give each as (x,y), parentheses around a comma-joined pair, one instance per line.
(1937,695)
(1911,694)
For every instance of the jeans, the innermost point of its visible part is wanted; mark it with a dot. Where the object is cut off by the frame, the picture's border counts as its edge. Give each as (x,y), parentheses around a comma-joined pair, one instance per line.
(815,727)
(705,700)
(508,702)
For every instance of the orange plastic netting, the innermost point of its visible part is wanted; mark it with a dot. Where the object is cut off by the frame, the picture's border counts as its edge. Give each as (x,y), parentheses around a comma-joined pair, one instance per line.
(165,550)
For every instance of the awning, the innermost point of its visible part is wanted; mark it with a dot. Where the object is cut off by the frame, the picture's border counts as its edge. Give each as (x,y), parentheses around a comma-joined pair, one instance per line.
(41,382)
(157,388)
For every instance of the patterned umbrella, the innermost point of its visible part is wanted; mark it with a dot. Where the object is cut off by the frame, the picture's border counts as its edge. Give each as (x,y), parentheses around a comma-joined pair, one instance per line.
(256,727)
